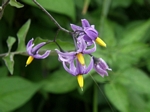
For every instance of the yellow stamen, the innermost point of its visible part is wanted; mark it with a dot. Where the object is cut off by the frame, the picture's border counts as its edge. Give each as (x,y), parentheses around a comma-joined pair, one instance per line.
(80,81)
(100,42)
(81,58)
(29,60)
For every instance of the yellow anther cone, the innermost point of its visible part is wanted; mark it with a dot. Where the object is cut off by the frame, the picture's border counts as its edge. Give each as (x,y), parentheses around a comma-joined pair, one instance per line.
(80,81)
(80,58)
(29,60)
(100,42)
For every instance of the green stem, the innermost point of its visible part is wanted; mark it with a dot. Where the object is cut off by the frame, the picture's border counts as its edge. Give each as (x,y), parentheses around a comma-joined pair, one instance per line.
(105,9)
(50,16)
(95,101)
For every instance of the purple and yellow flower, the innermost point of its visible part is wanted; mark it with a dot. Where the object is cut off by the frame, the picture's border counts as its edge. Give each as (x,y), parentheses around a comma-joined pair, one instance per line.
(89,33)
(101,66)
(81,50)
(33,52)
(78,70)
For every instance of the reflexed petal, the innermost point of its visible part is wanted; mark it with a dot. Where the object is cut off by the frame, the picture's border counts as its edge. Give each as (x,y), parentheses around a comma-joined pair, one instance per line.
(37,47)
(29,50)
(85,23)
(75,27)
(80,68)
(66,59)
(90,66)
(43,56)
(72,69)
(90,50)
(81,45)
(66,53)
(30,43)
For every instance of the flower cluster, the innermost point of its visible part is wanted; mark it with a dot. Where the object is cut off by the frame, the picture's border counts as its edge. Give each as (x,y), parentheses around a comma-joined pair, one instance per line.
(85,39)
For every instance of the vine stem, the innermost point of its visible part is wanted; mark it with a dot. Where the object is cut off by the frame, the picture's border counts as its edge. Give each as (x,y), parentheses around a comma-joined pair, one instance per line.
(51,17)
(4,4)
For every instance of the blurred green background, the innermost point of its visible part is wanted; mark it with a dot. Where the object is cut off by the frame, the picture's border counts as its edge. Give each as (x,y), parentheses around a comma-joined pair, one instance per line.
(44,86)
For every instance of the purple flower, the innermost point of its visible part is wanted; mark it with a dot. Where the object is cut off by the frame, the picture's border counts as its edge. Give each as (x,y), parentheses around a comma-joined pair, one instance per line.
(81,49)
(78,70)
(88,32)
(34,51)
(101,66)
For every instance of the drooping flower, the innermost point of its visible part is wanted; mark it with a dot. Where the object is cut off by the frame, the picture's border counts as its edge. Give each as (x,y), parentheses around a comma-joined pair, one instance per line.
(33,51)
(101,66)
(89,33)
(76,69)
(81,50)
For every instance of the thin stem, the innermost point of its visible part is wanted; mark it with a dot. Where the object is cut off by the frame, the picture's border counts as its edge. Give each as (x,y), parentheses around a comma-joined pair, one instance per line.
(75,42)
(5,54)
(56,35)
(95,102)
(50,16)
(4,4)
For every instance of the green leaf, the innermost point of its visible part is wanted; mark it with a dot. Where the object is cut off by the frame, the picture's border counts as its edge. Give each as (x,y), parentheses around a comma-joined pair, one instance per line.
(3,71)
(117,94)
(10,42)
(109,34)
(135,33)
(137,103)
(15,92)
(66,7)
(22,35)
(16,4)
(60,82)
(9,62)
(66,45)
(99,78)
(135,79)
(121,3)
(127,55)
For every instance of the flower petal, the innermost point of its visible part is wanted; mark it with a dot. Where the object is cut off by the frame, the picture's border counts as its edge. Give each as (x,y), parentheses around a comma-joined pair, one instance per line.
(72,69)
(85,23)
(90,66)
(37,47)
(103,64)
(75,27)
(90,50)
(43,56)
(91,32)
(30,43)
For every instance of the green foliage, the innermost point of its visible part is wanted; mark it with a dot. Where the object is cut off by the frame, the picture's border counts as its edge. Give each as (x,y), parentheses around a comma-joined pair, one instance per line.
(60,6)
(60,82)
(22,35)
(15,91)
(118,94)
(9,61)
(15,4)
